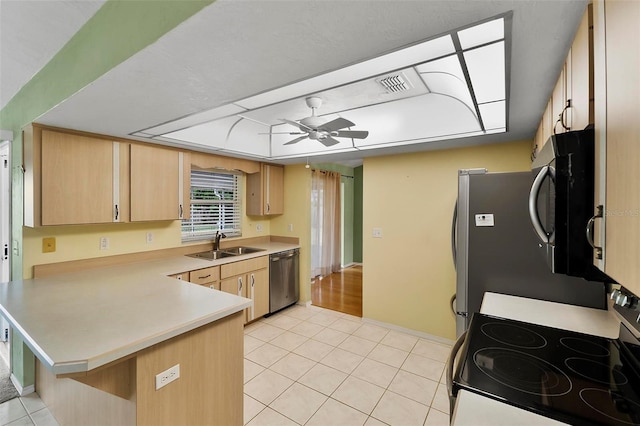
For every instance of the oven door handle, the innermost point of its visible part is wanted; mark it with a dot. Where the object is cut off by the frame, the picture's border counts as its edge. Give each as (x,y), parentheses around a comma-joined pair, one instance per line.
(449,369)
(533,200)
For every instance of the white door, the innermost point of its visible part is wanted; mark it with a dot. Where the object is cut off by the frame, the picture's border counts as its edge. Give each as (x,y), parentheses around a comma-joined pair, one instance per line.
(5,210)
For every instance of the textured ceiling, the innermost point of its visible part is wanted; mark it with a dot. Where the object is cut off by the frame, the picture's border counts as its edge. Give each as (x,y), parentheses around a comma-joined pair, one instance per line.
(234,49)
(31,33)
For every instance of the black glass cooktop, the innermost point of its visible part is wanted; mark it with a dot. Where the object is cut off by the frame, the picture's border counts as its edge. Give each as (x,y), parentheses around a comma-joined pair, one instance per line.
(571,377)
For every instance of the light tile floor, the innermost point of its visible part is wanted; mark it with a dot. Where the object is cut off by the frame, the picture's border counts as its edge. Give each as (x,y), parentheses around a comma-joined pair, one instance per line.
(312,366)
(26,410)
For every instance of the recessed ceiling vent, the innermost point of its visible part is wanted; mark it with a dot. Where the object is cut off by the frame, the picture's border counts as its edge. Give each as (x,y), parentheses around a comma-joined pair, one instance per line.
(395,83)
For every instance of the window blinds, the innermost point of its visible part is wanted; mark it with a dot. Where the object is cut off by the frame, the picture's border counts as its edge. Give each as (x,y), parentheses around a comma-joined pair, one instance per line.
(215,206)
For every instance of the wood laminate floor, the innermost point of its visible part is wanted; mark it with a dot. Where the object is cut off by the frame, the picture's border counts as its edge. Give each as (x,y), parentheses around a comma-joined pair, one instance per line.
(340,291)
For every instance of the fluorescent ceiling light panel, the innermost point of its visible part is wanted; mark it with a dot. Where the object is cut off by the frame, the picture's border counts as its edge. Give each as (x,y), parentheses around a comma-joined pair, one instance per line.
(212,134)
(481,34)
(195,119)
(445,76)
(493,115)
(486,68)
(373,67)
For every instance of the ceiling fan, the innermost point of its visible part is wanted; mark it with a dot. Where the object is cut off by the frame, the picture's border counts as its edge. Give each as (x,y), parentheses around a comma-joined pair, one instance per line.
(315,128)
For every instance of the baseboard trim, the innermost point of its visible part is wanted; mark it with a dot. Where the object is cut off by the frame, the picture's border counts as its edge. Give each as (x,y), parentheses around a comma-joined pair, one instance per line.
(22,391)
(305,304)
(416,333)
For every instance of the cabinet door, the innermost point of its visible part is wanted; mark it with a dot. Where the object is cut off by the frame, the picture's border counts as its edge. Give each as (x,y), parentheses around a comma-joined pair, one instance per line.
(235,285)
(77,179)
(155,183)
(258,291)
(581,81)
(558,103)
(622,205)
(265,191)
(274,189)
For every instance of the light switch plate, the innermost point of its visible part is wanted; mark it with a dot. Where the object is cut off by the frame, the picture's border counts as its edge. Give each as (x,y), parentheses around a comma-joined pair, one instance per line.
(484,219)
(377,232)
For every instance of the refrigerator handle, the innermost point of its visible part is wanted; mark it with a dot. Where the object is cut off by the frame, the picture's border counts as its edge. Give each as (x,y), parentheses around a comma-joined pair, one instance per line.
(454,236)
(533,198)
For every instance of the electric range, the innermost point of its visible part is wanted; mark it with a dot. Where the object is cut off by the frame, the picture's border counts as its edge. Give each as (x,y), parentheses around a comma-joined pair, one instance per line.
(571,377)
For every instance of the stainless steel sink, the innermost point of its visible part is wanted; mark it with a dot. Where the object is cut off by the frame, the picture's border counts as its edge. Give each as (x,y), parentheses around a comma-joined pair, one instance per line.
(228,252)
(212,255)
(242,250)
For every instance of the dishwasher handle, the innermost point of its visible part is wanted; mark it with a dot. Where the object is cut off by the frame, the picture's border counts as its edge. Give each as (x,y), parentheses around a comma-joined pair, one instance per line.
(276,258)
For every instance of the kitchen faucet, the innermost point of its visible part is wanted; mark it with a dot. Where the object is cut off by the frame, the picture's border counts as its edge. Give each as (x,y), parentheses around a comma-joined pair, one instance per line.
(216,241)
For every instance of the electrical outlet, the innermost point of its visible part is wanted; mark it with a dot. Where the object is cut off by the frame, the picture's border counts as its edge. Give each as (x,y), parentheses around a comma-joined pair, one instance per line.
(291,227)
(104,243)
(167,376)
(49,245)
(149,237)
(377,232)
(259,227)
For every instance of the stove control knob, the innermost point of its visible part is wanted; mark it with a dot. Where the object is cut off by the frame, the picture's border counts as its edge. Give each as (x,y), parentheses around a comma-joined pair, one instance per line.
(614,295)
(624,300)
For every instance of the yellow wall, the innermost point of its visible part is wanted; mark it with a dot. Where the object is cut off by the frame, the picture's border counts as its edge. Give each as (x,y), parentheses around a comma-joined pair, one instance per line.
(408,275)
(297,212)
(83,241)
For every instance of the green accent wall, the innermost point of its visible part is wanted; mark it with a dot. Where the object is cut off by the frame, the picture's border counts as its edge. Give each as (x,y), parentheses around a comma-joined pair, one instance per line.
(116,32)
(357,214)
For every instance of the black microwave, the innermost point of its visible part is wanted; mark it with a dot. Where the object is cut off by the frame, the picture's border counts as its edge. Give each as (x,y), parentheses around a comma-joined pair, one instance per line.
(561,203)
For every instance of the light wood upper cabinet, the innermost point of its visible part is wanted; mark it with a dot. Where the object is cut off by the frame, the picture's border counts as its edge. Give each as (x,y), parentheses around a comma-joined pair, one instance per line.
(617,44)
(573,94)
(158,184)
(580,87)
(74,179)
(265,191)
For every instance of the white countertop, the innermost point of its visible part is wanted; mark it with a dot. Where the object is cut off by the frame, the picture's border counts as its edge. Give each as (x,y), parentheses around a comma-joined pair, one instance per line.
(80,321)
(474,410)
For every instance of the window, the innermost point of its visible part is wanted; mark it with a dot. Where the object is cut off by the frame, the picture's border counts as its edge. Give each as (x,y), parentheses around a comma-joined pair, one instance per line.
(215,206)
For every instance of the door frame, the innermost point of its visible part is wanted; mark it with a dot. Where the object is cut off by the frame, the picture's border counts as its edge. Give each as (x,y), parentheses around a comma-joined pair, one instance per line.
(5,210)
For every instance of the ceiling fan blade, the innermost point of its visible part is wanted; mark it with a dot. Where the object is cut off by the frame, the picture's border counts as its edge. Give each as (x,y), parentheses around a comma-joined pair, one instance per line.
(337,124)
(296,140)
(356,134)
(328,141)
(284,133)
(296,124)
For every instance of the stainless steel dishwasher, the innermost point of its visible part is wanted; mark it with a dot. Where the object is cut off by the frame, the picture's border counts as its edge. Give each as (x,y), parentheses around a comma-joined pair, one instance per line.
(284,279)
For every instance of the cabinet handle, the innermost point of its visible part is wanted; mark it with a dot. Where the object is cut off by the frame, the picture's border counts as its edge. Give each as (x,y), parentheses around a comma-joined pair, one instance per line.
(599,214)
(268,208)
(117,213)
(253,280)
(206,276)
(239,286)
(180,211)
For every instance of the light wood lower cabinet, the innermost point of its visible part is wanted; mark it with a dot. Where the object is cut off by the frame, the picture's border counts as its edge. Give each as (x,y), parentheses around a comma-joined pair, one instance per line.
(248,278)
(208,277)
(208,392)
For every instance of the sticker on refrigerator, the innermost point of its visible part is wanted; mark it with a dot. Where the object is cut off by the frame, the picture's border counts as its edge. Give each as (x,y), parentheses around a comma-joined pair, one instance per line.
(484,219)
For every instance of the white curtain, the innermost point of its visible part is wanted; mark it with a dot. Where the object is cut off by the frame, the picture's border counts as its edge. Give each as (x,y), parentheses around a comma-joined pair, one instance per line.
(325,223)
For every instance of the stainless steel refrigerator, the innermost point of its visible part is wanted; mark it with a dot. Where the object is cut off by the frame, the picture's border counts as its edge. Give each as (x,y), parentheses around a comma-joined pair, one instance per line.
(495,248)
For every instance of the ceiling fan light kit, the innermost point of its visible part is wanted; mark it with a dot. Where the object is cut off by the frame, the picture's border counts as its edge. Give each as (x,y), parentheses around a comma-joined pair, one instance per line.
(315,128)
